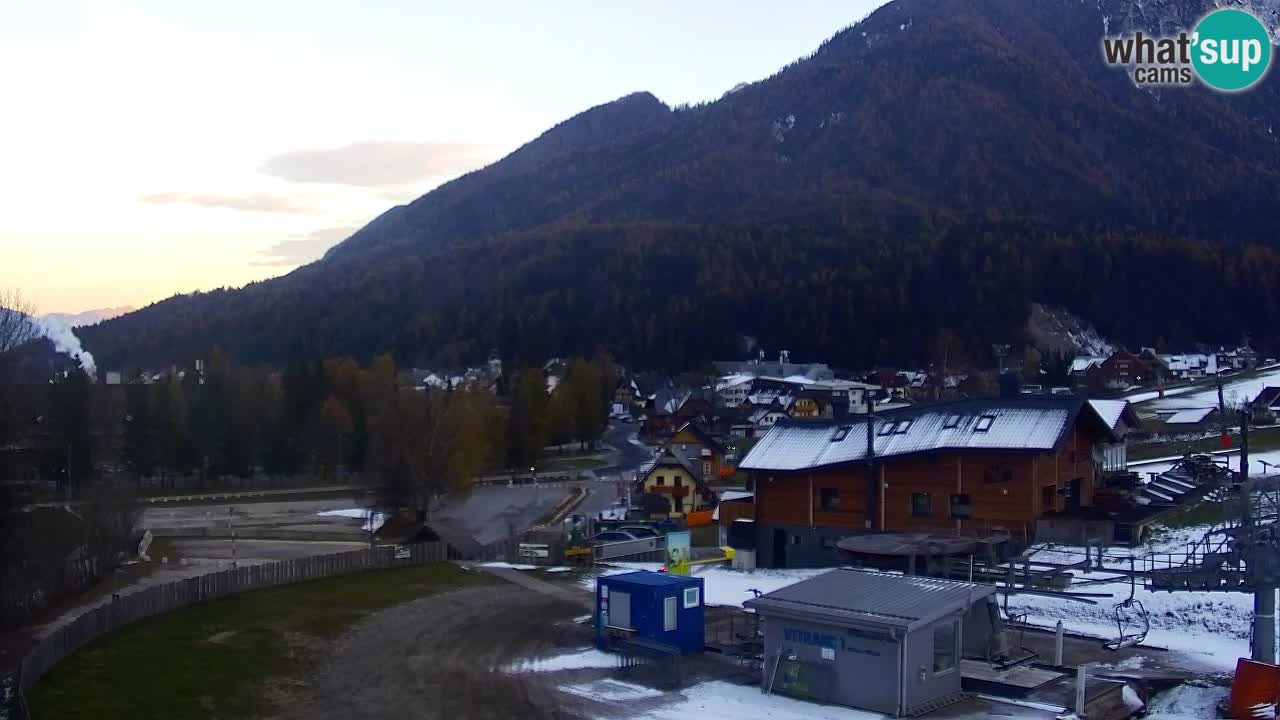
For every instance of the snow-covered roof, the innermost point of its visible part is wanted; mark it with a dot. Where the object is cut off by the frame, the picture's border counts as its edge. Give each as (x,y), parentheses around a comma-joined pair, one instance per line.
(729,381)
(1109,410)
(1034,425)
(1177,363)
(1082,364)
(1189,417)
(736,495)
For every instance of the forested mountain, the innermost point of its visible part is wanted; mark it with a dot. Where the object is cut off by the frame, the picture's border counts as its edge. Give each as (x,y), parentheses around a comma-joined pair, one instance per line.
(941,164)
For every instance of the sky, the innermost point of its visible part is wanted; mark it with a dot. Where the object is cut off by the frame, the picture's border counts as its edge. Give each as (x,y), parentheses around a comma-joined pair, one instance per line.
(149,148)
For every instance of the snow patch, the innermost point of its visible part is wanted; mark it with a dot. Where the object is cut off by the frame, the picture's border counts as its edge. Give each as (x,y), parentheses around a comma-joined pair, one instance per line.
(508,566)
(373,521)
(1187,702)
(722,699)
(613,690)
(723,586)
(780,127)
(583,660)
(1235,392)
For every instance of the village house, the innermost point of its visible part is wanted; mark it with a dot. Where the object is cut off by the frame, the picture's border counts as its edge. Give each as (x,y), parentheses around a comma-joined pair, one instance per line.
(972,465)
(703,453)
(1265,407)
(681,483)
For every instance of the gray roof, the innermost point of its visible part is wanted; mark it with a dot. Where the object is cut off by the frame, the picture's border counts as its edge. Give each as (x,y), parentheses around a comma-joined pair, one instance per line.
(866,597)
(1011,424)
(1109,410)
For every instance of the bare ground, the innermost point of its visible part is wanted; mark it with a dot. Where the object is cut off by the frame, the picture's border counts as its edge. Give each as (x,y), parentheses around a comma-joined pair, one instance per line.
(441,657)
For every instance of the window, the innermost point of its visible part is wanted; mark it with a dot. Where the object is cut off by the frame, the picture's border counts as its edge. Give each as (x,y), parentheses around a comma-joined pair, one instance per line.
(921,505)
(841,433)
(669,619)
(886,429)
(996,474)
(662,480)
(829,499)
(692,597)
(944,647)
(961,506)
(706,468)
(984,423)
(795,539)
(952,421)
(902,427)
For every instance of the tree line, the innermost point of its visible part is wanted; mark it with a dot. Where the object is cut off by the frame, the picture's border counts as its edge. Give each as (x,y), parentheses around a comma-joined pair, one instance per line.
(327,421)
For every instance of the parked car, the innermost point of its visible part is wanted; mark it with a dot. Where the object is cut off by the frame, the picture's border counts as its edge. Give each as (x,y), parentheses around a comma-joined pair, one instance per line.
(610,536)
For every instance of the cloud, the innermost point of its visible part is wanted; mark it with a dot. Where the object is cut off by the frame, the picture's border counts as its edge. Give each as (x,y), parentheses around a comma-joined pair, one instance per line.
(252,202)
(303,250)
(375,164)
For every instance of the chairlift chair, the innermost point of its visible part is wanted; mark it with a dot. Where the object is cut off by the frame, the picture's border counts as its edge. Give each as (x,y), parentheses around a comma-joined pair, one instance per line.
(1129,615)
(1132,625)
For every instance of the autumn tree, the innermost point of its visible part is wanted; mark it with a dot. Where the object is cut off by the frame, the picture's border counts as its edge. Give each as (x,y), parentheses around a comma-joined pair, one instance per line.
(69,452)
(584,380)
(527,424)
(338,426)
(139,452)
(1031,365)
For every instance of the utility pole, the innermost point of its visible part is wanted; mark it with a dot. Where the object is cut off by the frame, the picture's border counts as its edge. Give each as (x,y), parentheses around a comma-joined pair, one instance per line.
(231,516)
(872,485)
(1264,592)
(68,488)
(1001,352)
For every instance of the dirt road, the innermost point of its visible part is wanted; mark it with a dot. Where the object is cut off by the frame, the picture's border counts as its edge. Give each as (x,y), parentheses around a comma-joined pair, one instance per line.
(442,657)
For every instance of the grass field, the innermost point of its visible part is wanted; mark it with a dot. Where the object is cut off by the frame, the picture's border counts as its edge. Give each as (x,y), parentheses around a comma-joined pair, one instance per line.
(230,658)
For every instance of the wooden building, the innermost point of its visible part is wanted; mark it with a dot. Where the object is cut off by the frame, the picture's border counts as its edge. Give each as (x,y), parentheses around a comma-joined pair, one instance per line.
(993,464)
(673,478)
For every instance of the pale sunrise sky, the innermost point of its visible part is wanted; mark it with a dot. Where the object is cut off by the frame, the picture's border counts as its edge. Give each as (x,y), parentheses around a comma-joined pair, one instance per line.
(154,147)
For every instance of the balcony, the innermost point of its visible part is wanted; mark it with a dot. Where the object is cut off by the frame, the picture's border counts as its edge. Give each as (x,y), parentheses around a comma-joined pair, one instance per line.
(678,491)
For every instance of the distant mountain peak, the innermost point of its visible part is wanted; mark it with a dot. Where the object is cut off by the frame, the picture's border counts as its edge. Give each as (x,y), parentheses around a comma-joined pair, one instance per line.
(88,317)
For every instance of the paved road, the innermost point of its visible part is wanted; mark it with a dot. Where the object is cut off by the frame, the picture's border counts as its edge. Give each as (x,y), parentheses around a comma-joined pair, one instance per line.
(491,513)
(624,457)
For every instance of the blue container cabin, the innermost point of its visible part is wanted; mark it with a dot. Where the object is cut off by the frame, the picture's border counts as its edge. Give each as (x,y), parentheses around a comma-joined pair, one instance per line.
(650,607)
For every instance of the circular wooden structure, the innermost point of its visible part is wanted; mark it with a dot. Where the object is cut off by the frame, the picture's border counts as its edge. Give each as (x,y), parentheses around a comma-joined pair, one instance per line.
(905,545)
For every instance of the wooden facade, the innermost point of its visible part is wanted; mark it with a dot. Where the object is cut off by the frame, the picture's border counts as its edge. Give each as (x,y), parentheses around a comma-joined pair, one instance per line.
(954,490)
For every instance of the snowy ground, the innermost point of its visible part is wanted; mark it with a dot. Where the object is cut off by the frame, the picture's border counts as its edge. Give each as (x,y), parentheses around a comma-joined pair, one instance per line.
(590,658)
(723,586)
(1256,468)
(722,699)
(1198,396)
(1187,702)
(1203,630)
(373,521)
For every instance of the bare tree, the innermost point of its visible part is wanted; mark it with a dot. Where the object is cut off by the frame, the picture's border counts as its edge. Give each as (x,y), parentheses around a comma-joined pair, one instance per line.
(17,326)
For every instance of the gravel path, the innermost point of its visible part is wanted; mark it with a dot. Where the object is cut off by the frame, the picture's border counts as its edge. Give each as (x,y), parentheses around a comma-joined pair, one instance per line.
(441,657)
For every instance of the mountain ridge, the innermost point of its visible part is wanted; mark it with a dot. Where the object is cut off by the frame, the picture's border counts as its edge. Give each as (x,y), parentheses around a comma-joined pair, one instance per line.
(912,136)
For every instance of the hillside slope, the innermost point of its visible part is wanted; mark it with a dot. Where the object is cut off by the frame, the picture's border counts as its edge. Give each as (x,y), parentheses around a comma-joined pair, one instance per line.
(940,164)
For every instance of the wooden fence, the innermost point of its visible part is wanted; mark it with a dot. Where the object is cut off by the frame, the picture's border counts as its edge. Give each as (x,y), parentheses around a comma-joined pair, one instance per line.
(158,599)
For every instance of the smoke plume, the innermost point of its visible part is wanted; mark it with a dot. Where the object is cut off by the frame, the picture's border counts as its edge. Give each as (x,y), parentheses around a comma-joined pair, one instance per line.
(66,342)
